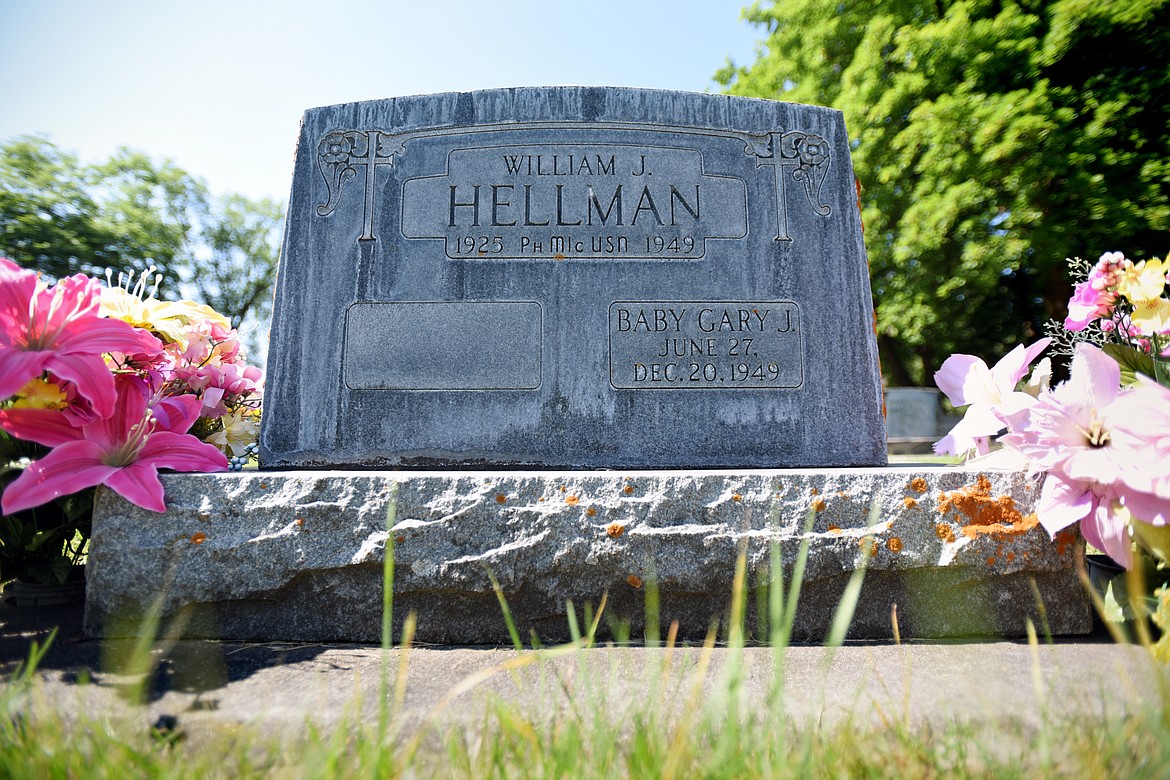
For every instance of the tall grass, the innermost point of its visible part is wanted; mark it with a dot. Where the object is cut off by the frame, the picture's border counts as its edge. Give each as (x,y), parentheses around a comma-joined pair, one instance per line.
(682,726)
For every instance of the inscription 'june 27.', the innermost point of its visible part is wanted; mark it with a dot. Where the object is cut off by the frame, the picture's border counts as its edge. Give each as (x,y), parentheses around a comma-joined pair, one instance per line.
(722,345)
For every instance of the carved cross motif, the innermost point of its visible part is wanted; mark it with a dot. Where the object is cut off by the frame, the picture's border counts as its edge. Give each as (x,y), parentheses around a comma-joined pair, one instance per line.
(806,158)
(339,155)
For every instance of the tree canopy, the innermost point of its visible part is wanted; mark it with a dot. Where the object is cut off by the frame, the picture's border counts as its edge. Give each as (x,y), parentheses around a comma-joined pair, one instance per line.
(992,139)
(61,217)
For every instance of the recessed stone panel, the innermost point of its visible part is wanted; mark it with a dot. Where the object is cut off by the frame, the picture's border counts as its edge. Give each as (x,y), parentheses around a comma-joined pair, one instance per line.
(459,345)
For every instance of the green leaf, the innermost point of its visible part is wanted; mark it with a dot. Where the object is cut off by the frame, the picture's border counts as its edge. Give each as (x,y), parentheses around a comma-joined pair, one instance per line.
(1131,360)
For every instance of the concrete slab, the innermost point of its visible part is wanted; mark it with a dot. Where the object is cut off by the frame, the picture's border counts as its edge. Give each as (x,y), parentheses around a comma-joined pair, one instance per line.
(279,688)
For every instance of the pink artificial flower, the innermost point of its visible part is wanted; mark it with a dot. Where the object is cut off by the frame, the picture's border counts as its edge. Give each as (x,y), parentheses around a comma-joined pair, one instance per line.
(1105,451)
(217,385)
(987,392)
(123,451)
(1094,298)
(1087,428)
(208,343)
(1086,305)
(1147,419)
(1064,502)
(59,330)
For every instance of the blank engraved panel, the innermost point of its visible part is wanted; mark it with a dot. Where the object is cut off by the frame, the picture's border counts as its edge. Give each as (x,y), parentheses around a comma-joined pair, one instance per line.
(459,345)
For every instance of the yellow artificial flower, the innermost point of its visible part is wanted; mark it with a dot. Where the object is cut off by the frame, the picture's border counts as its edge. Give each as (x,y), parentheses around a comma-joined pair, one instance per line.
(240,428)
(167,318)
(1151,316)
(1144,281)
(40,394)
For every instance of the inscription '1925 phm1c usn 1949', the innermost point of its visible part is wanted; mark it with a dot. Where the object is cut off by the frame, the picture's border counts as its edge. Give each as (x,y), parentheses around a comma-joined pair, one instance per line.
(584,277)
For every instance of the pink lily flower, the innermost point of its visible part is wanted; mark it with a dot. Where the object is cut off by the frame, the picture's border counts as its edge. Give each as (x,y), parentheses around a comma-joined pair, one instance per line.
(987,392)
(1064,502)
(123,451)
(1104,450)
(59,330)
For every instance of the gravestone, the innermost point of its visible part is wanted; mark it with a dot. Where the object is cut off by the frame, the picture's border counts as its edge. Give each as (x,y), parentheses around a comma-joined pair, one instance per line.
(573,277)
(913,419)
(669,286)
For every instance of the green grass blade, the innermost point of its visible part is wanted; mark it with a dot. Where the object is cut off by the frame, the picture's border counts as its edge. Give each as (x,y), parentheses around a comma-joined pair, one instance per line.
(512,632)
(847,606)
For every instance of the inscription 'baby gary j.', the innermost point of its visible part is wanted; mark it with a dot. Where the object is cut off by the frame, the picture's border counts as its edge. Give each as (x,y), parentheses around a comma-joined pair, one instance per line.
(573,277)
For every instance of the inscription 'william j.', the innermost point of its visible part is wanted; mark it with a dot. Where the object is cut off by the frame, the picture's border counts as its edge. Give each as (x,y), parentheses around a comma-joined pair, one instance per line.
(563,201)
(621,206)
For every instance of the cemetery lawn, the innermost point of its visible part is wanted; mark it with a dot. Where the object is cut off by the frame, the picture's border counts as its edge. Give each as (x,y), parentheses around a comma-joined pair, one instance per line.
(707,737)
(694,724)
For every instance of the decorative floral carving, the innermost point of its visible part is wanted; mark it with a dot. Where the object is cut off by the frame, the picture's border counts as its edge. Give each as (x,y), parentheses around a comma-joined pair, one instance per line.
(335,148)
(339,155)
(813,151)
(806,156)
(335,160)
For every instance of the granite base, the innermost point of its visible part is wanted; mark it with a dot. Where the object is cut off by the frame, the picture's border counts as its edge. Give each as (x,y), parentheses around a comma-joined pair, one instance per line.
(299,556)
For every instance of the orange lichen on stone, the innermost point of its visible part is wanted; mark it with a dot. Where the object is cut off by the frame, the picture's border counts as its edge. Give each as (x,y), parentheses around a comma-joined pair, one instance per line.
(300,521)
(983,513)
(842,494)
(991,560)
(945,532)
(591,512)
(894,544)
(263,485)
(819,505)
(1065,540)
(198,537)
(1011,557)
(572,500)
(399,539)
(910,503)
(918,485)
(868,545)
(814,491)
(501,498)
(736,497)
(834,528)
(634,581)
(614,530)
(628,489)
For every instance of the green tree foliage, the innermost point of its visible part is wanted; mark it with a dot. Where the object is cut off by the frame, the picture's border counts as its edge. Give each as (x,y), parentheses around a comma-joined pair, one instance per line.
(61,217)
(129,213)
(992,140)
(236,270)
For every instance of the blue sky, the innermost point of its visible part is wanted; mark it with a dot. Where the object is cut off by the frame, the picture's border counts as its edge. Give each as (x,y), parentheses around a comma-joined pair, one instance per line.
(219,86)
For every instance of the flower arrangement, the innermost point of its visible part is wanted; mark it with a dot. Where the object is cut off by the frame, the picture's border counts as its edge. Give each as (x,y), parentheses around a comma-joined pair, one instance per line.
(1102,437)
(105,385)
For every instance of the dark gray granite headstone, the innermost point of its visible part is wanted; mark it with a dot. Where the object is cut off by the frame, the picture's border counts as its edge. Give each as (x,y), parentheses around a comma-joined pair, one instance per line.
(573,277)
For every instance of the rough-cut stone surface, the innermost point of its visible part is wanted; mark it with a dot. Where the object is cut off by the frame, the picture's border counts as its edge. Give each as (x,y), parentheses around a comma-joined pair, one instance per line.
(573,277)
(299,555)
